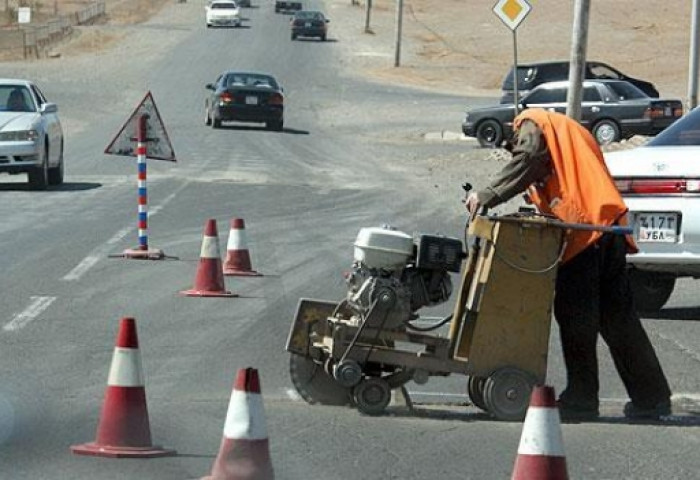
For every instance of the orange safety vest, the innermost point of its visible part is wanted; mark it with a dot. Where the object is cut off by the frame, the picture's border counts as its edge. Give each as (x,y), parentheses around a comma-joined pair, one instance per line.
(580,188)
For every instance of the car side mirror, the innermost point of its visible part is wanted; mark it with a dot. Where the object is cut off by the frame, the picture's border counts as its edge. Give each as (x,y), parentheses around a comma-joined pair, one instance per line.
(209,86)
(48,108)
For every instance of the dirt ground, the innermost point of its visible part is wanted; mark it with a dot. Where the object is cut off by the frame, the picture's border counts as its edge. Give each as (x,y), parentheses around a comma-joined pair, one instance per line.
(461,46)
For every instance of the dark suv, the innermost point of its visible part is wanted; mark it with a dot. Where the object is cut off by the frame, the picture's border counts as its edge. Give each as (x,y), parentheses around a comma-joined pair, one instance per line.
(532,74)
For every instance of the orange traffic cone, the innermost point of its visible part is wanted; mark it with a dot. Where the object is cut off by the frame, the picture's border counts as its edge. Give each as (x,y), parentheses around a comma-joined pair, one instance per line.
(209,281)
(123,430)
(244,453)
(541,450)
(237,255)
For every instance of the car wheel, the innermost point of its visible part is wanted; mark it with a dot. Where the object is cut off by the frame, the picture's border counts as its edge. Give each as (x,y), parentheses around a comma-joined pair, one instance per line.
(39,175)
(489,133)
(294,37)
(215,122)
(323,38)
(56,173)
(606,132)
(651,290)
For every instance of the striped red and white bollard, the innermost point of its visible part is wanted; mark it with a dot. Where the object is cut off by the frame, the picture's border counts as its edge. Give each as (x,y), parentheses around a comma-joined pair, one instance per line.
(541,450)
(124,429)
(142,251)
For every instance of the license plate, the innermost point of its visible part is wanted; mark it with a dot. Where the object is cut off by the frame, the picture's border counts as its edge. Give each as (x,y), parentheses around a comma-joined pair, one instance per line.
(250,100)
(668,111)
(656,227)
(307,24)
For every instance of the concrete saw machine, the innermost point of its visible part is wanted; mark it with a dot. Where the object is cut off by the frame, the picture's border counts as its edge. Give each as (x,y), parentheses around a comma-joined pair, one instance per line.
(355,351)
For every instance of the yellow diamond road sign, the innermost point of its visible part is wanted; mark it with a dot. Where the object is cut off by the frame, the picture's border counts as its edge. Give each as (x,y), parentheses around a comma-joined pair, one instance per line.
(512,12)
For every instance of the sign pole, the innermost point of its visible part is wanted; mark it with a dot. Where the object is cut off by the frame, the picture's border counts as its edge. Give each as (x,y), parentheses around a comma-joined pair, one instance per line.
(516,99)
(143,192)
(146,123)
(142,251)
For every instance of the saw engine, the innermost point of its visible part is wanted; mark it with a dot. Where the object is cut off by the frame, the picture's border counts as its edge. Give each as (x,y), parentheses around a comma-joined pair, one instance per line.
(394,276)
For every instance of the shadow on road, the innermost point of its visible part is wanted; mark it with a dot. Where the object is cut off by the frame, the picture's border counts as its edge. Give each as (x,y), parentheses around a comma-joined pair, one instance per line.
(685,313)
(287,130)
(65,187)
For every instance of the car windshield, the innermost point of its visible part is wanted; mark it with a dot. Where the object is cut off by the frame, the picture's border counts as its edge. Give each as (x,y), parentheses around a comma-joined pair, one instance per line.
(249,80)
(223,6)
(16,98)
(684,131)
(626,91)
(309,15)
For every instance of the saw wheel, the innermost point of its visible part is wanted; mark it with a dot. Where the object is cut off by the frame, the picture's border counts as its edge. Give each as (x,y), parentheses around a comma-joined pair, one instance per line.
(315,385)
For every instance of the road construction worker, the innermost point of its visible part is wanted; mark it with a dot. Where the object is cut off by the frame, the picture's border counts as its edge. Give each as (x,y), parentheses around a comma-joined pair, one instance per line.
(560,166)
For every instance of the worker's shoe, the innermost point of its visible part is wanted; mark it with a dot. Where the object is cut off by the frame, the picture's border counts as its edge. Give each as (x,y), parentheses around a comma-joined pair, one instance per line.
(639,412)
(571,412)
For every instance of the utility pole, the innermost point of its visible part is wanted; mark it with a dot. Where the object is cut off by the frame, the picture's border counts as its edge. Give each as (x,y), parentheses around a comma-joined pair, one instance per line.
(577,64)
(693,60)
(399,20)
(368,14)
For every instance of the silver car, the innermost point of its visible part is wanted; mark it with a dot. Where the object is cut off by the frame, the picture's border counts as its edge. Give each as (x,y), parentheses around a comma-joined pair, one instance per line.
(31,136)
(660,182)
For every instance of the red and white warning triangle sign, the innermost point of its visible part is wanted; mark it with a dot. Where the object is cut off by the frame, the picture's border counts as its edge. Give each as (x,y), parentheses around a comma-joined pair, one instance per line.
(158,144)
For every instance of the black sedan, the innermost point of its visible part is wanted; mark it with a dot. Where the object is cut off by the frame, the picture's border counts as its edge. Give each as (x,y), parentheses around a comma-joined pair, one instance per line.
(245,97)
(309,23)
(610,109)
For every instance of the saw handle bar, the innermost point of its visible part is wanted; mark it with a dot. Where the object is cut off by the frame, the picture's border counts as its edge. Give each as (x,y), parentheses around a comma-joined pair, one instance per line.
(614,229)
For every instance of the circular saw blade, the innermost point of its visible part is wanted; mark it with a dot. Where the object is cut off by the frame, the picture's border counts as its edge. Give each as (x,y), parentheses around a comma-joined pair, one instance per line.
(315,385)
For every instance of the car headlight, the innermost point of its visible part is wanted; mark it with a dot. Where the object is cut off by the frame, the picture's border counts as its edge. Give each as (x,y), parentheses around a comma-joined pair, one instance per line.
(19,136)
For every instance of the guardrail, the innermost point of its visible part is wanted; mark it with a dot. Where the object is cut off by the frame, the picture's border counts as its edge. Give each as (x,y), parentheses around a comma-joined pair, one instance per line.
(33,40)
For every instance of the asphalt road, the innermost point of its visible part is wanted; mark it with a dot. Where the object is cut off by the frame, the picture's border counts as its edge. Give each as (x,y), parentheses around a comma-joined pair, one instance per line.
(353,154)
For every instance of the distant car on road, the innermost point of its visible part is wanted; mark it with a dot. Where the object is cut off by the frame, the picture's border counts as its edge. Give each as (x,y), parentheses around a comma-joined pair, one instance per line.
(532,74)
(660,183)
(243,3)
(31,136)
(284,6)
(309,23)
(222,13)
(245,97)
(610,109)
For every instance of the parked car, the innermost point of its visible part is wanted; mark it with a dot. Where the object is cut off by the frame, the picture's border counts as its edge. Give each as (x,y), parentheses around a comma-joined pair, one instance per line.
(532,74)
(243,3)
(284,6)
(31,136)
(245,97)
(660,182)
(309,23)
(610,109)
(222,13)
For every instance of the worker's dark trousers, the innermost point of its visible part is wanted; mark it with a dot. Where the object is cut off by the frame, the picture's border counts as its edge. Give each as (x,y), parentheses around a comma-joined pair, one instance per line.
(593,296)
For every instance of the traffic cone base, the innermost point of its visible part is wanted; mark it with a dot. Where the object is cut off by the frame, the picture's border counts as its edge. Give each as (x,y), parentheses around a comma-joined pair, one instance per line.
(150,254)
(95,450)
(237,261)
(123,429)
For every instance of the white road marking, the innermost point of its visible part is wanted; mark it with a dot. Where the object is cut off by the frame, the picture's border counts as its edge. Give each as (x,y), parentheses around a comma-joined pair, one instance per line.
(106,248)
(35,308)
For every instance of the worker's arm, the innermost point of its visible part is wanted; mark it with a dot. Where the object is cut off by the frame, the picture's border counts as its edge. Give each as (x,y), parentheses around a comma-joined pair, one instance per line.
(530,163)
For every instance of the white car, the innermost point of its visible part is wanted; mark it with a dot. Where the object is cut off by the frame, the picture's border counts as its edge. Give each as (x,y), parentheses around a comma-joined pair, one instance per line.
(660,182)
(31,136)
(222,13)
